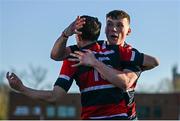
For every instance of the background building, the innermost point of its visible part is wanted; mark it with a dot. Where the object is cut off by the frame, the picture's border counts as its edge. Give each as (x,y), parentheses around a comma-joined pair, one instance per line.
(163,106)
(149,106)
(22,107)
(176,78)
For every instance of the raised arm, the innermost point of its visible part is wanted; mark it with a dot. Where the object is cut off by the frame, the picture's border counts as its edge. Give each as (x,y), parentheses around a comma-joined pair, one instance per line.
(47,96)
(59,50)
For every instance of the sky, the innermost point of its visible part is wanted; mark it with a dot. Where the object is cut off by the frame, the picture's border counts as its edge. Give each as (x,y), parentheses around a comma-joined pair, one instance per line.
(29,28)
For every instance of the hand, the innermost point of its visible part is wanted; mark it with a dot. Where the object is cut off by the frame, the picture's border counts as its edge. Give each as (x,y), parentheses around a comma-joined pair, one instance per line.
(14,81)
(74,26)
(84,58)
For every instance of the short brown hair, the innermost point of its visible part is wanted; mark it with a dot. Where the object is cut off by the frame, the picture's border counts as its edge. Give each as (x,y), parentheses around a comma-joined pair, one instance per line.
(118,14)
(91,29)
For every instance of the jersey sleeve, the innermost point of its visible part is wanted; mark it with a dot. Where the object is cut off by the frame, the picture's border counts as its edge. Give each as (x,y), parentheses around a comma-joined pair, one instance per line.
(74,48)
(66,75)
(130,56)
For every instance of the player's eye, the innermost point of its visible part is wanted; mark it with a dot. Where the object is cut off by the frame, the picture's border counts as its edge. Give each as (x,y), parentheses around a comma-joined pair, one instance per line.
(120,25)
(109,24)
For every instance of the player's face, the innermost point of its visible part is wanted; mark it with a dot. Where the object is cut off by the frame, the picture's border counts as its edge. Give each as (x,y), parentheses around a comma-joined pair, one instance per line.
(117,30)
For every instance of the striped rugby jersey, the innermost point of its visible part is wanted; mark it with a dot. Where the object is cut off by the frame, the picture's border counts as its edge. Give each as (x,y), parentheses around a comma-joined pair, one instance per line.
(99,98)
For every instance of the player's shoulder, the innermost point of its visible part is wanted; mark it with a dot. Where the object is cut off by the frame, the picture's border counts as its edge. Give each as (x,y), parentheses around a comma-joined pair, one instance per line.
(129,47)
(126,45)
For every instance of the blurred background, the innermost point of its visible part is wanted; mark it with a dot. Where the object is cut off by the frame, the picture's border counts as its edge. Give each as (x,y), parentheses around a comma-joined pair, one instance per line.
(28,30)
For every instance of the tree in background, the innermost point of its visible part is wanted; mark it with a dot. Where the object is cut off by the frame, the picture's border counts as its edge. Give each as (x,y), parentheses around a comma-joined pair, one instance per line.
(165,86)
(35,76)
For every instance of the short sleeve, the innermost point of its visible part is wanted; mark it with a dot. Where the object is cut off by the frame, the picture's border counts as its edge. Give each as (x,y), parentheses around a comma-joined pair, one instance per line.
(66,75)
(130,56)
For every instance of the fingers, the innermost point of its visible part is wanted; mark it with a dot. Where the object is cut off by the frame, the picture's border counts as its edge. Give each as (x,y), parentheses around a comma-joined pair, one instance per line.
(77,32)
(14,81)
(73,59)
(10,76)
(74,55)
(79,53)
(78,17)
(79,22)
(88,51)
(75,26)
(76,65)
(14,75)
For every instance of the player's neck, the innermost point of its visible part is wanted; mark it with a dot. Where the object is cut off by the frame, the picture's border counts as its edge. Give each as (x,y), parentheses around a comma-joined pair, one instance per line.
(84,43)
(122,43)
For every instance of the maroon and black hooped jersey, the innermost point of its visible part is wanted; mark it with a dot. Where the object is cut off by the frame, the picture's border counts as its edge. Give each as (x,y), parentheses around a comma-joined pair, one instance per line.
(99,98)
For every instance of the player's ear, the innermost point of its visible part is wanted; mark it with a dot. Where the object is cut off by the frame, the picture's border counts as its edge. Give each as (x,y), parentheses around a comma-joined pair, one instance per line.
(129,31)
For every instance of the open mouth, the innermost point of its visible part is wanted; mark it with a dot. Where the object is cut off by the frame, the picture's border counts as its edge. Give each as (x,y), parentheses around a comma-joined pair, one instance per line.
(114,36)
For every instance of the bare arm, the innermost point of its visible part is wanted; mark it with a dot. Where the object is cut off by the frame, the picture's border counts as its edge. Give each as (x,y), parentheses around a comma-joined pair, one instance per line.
(122,79)
(59,50)
(47,96)
(44,95)
(149,62)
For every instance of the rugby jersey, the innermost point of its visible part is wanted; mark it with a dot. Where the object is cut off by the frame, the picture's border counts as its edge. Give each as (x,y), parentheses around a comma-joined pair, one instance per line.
(99,98)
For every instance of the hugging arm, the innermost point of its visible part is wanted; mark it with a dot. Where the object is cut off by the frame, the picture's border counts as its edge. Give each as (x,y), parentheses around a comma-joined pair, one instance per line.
(122,79)
(149,62)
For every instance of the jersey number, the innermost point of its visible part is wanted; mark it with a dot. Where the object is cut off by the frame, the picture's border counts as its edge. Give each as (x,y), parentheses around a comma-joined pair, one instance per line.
(96,75)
